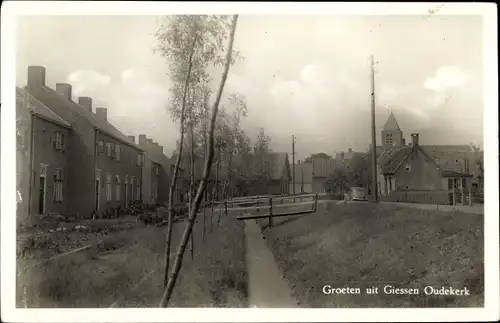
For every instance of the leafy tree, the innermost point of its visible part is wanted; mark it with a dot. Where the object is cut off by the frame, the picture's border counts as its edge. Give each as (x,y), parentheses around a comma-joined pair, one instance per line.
(190,31)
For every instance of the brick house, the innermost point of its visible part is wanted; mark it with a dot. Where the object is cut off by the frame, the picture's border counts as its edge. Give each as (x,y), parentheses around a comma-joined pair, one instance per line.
(43,166)
(322,167)
(416,167)
(106,166)
(155,176)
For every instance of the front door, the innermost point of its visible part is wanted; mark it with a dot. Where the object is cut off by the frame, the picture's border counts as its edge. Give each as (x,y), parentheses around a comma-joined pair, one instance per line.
(97,193)
(41,198)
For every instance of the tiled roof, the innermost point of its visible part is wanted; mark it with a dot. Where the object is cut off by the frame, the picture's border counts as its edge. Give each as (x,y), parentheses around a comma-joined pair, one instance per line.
(395,159)
(101,125)
(449,157)
(303,171)
(23,97)
(450,173)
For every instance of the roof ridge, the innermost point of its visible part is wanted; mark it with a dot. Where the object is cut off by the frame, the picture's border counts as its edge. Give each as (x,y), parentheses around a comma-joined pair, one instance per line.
(32,107)
(92,118)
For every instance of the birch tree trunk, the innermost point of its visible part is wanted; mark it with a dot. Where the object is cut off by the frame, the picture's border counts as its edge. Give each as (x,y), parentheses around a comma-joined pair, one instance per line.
(176,168)
(167,294)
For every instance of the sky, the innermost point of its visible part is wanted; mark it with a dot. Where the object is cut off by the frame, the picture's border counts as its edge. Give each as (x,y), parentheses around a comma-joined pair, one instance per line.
(303,75)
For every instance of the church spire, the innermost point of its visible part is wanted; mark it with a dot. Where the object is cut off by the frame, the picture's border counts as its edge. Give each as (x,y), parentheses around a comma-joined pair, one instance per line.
(391,123)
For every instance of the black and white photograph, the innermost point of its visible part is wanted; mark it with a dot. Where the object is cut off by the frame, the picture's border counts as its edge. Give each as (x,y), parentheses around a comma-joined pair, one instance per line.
(239,160)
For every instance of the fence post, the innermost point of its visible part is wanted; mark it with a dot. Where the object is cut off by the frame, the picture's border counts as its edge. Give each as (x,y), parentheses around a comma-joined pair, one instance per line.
(225,207)
(470,197)
(270,212)
(315,202)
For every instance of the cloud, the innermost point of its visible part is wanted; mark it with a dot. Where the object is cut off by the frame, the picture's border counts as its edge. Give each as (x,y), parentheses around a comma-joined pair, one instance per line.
(84,80)
(446,77)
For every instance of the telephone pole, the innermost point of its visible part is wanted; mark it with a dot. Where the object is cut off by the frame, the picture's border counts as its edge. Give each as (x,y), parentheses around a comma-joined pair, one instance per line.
(374,139)
(293,166)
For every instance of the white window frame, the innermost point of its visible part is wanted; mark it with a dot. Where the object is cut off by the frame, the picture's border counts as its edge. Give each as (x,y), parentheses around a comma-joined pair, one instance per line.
(100,147)
(118,150)
(58,138)
(109,188)
(57,196)
(108,149)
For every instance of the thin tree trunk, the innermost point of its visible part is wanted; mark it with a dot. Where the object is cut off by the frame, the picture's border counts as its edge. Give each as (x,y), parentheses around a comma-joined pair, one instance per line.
(191,184)
(206,172)
(176,168)
(214,190)
(226,184)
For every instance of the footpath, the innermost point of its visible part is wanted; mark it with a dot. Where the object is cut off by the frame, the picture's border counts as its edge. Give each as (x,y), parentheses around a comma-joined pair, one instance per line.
(266,287)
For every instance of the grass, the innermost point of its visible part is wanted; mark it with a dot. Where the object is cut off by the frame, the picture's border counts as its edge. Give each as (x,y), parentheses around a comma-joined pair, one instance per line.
(363,245)
(216,277)
(126,270)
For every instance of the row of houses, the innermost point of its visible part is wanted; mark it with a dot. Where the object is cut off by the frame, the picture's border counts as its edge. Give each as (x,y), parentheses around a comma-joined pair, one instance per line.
(75,162)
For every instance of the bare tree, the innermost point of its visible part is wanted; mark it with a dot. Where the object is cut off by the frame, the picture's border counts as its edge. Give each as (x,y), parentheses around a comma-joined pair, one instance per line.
(206,172)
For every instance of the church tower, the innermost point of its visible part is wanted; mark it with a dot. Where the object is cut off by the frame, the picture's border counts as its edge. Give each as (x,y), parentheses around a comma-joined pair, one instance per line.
(392,136)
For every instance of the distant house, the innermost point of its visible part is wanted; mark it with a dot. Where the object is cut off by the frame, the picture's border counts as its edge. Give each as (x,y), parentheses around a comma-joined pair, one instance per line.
(303,178)
(322,167)
(279,172)
(416,167)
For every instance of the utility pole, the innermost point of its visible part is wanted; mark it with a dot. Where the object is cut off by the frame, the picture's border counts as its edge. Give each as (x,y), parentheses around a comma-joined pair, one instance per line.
(293,167)
(374,140)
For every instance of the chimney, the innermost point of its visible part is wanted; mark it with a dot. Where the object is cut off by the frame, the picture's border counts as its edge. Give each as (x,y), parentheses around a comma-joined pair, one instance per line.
(36,76)
(155,147)
(85,102)
(160,149)
(414,139)
(149,142)
(350,150)
(64,89)
(132,138)
(101,113)
(142,140)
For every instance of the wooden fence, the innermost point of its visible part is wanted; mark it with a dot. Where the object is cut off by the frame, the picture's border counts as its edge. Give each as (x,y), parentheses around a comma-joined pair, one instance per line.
(270,209)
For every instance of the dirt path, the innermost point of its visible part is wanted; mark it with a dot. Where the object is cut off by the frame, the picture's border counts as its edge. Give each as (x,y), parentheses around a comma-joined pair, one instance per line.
(266,287)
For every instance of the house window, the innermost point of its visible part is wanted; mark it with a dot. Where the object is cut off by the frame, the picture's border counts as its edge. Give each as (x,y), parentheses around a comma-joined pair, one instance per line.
(58,185)
(118,150)
(118,187)
(108,149)
(132,184)
(139,160)
(388,138)
(58,140)
(100,147)
(138,192)
(108,187)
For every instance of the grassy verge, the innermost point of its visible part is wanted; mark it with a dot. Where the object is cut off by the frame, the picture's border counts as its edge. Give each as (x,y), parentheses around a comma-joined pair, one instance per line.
(216,277)
(365,245)
(126,270)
